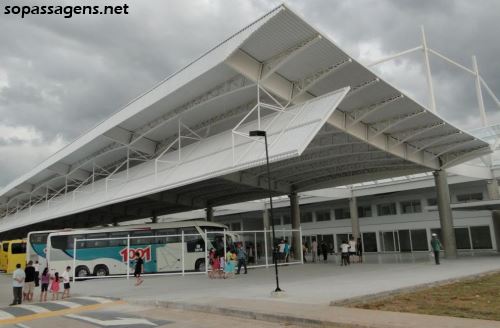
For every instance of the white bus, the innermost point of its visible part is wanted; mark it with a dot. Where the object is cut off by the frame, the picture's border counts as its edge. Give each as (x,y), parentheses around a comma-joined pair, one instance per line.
(37,247)
(105,251)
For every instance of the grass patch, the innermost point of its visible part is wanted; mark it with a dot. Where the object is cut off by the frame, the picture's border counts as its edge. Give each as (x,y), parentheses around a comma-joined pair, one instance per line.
(475,299)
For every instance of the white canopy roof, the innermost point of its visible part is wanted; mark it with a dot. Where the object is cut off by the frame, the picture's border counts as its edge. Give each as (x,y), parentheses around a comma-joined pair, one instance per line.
(279,74)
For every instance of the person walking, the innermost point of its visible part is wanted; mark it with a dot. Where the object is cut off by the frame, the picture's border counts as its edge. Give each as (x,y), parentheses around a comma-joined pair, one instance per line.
(304,252)
(352,250)
(18,277)
(139,269)
(314,250)
(66,284)
(344,251)
(242,259)
(44,279)
(287,251)
(37,273)
(436,247)
(359,249)
(324,251)
(29,281)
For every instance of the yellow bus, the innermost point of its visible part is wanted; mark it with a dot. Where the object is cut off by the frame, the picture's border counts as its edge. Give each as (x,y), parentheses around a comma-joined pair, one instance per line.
(12,253)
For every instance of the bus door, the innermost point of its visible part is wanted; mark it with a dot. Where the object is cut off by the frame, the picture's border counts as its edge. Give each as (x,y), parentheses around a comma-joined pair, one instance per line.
(3,255)
(168,250)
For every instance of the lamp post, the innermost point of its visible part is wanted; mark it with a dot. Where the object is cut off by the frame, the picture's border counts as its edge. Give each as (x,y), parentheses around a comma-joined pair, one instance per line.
(261,133)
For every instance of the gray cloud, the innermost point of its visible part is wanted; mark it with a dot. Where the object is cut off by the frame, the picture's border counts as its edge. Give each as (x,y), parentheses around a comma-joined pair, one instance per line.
(65,75)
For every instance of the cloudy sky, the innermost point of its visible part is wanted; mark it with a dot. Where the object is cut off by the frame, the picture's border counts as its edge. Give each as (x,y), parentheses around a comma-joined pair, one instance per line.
(59,77)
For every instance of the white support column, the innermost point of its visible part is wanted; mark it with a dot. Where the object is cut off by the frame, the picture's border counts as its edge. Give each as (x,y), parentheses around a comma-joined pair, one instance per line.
(183,251)
(128,257)
(74,259)
(206,252)
(445,214)
(428,70)
(353,208)
(265,247)
(479,93)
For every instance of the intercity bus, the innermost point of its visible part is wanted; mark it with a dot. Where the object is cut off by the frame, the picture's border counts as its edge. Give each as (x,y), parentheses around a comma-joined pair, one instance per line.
(13,252)
(103,251)
(36,247)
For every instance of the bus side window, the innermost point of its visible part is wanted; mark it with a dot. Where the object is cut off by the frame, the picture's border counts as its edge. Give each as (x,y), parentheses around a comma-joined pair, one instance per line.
(18,248)
(148,238)
(96,243)
(70,240)
(121,239)
(5,247)
(168,233)
(194,243)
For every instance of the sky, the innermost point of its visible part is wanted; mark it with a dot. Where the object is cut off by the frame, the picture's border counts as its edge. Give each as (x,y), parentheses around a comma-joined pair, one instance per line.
(59,77)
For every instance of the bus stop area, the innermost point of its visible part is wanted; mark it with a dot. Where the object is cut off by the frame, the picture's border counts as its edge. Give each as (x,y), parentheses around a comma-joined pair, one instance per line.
(310,290)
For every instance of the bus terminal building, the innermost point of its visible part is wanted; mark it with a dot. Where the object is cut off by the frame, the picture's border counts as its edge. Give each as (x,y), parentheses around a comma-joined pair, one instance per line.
(330,121)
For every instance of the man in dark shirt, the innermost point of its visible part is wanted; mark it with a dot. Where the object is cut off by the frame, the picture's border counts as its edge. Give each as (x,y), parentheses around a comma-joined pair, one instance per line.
(29,282)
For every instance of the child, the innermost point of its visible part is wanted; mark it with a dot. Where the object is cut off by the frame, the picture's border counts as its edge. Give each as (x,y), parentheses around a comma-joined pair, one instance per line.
(229,269)
(54,286)
(215,268)
(45,279)
(344,247)
(65,277)
(139,269)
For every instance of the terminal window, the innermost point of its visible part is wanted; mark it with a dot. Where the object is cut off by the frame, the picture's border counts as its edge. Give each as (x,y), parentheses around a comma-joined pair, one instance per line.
(364,211)
(386,209)
(342,213)
(411,206)
(472,197)
(287,219)
(306,217)
(323,215)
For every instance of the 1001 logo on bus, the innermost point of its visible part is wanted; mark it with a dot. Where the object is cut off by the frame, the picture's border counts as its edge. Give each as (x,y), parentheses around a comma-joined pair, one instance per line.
(145,253)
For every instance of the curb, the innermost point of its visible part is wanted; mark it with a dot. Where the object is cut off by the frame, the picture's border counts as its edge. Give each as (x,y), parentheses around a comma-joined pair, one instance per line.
(405,290)
(246,314)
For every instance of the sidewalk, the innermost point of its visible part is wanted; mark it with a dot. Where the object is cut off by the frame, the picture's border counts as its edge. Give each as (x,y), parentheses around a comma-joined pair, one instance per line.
(319,315)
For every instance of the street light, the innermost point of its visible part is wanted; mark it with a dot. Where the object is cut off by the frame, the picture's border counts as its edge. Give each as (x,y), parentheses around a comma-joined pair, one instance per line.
(261,133)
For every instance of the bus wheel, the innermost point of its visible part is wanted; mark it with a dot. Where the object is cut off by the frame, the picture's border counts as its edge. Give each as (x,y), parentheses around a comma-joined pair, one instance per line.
(200,265)
(101,270)
(82,271)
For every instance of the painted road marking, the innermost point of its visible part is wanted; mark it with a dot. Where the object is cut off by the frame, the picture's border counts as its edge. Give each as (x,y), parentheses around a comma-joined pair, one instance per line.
(127,322)
(33,308)
(34,316)
(66,304)
(101,300)
(5,315)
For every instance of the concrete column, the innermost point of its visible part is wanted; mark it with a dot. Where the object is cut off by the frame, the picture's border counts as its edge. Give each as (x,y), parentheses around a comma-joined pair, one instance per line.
(445,216)
(210,213)
(295,218)
(265,219)
(492,186)
(353,209)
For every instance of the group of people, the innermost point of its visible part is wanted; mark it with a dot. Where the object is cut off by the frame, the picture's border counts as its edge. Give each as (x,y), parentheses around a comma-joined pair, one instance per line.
(223,265)
(351,251)
(25,281)
(284,250)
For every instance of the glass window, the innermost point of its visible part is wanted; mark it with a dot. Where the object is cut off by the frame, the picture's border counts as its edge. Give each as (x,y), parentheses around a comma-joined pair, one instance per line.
(462,238)
(277,221)
(404,240)
(364,211)
(472,197)
(323,215)
(386,209)
(431,201)
(481,237)
(97,243)
(38,238)
(419,240)
(388,242)
(369,242)
(342,213)
(287,219)
(145,240)
(18,248)
(306,217)
(118,241)
(70,240)
(411,206)
(236,226)
(168,232)
(5,247)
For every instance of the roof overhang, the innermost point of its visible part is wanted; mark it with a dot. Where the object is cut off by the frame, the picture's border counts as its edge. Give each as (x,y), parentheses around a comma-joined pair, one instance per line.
(182,145)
